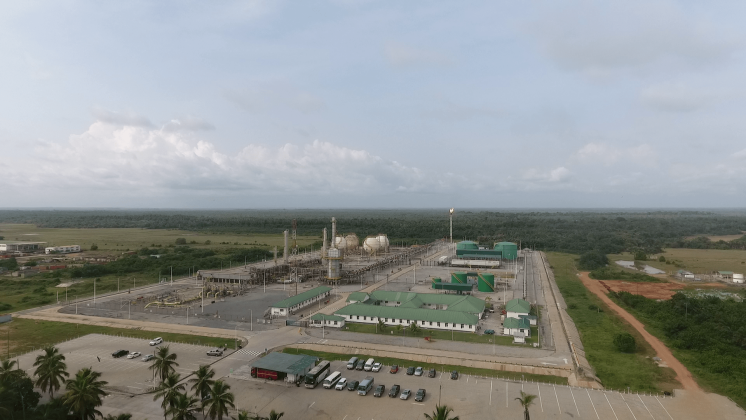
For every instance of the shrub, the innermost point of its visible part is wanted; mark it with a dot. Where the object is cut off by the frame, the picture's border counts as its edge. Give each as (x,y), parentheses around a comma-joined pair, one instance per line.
(572,306)
(94,247)
(625,343)
(181,241)
(662,259)
(640,255)
(208,242)
(592,260)
(5,306)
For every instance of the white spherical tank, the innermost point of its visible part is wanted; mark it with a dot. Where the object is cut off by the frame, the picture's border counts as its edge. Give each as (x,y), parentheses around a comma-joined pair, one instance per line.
(340,242)
(371,245)
(383,241)
(352,241)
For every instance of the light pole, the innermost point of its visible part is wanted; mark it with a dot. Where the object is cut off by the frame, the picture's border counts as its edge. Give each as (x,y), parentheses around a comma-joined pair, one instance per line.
(251,319)
(450,213)
(94,293)
(117,284)
(187,315)
(203,299)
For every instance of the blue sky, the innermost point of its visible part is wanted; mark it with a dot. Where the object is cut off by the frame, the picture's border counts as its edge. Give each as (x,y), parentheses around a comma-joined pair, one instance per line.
(373,104)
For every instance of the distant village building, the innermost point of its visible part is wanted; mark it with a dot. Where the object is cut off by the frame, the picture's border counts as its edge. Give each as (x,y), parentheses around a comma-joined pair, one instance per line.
(725,275)
(737,278)
(65,249)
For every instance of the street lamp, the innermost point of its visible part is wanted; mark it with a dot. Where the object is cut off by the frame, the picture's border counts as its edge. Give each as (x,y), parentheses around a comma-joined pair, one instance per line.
(450,213)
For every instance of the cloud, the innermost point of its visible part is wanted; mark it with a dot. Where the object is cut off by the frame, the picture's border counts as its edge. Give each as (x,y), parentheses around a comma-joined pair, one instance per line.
(188,123)
(120,118)
(556,175)
(608,155)
(598,37)
(677,97)
(403,56)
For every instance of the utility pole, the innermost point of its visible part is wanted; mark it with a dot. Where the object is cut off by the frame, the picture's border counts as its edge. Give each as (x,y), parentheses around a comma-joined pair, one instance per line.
(451,217)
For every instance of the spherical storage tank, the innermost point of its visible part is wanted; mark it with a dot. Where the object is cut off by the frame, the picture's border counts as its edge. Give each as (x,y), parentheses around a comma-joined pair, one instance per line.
(374,244)
(458,277)
(340,242)
(509,250)
(352,241)
(486,283)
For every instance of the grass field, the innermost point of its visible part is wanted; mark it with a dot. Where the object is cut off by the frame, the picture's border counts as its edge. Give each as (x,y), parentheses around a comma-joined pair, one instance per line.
(389,361)
(700,261)
(133,239)
(598,325)
(25,335)
(447,335)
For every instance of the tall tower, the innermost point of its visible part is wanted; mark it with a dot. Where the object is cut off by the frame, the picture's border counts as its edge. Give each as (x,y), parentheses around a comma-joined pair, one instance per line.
(334,257)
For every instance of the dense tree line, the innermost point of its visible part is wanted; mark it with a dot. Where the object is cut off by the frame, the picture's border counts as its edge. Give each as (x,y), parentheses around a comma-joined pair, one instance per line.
(709,335)
(575,232)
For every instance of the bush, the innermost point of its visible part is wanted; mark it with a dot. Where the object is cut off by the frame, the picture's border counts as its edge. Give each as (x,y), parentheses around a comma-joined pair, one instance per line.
(592,260)
(208,242)
(94,247)
(661,259)
(625,343)
(5,306)
(640,256)
(30,264)
(181,241)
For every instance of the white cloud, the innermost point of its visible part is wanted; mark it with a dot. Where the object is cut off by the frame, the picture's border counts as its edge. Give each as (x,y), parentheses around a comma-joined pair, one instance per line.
(608,155)
(404,56)
(556,175)
(120,118)
(188,123)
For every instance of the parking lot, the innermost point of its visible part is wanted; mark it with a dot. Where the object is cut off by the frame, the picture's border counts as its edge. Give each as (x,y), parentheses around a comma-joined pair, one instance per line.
(128,375)
(471,397)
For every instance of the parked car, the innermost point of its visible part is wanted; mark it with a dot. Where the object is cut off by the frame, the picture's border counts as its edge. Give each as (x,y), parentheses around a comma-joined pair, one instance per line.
(134,354)
(341,384)
(352,386)
(489,332)
(405,394)
(360,365)
(119,353)
(376,367)
(380,389)
(394,369)
(431,373)
(215,352)
(394,391)
(420,395)
(418,371)
(454,375)
(147,357)
(410,370)
(156,341)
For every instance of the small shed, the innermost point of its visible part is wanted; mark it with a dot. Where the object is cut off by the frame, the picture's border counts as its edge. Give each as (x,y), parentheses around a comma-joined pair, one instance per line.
(289,367)
(737,278)
(725,275)
(517,325)
(517,307)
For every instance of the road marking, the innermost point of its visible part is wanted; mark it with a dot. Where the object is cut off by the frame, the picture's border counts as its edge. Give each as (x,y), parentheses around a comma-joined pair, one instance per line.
(418,404)
(312,404)
(441,376)
(490,392)
(136,387)
(506,394)
(592,405)
(664,408)
(612,408)
(555,396)
(576,403)
(540,403)
(625,402)
(646,407)
(345,416)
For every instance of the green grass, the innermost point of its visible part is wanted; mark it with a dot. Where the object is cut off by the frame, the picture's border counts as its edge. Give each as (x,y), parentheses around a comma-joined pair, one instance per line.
(695,260)
(445,335)
(28,334)
(597,330)
(463,370)
(110,239)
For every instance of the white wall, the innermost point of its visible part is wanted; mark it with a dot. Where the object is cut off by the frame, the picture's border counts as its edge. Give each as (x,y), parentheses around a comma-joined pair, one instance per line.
(328,323)
(405,323)
(515,314)
(295,308)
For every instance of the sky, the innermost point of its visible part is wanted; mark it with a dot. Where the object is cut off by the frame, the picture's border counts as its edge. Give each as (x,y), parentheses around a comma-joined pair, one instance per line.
(373,104)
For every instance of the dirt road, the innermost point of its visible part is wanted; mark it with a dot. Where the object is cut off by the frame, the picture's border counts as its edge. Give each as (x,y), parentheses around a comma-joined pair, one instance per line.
(682,373)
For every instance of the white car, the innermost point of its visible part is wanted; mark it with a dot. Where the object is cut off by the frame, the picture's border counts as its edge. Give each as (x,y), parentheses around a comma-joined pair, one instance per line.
(342,384)
(147,357)
(133,355)
(418,371)
(377,367)
(156,341)
(405,394)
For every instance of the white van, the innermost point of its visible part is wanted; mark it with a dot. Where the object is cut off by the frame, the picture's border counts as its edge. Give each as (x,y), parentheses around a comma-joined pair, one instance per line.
(332,379)
(369,364)
(352,364)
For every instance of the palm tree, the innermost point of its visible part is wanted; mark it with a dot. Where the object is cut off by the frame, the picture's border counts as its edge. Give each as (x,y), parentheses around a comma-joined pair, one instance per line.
(413,328)
(123,416)
(526,400)
(273,415)
(164,363)
(203,382)
(244,415)
(441,413)
(220,400)
(50,370)
(381,325)
(169,389)
(183,407)
(84,393)
(8,370)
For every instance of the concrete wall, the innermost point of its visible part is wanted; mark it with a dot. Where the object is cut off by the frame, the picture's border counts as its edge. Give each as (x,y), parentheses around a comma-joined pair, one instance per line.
(423,324)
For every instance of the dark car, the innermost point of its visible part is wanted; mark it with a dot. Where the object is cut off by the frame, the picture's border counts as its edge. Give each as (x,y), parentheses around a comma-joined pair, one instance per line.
(431,373)
(420,395)
(352,385)
(394,369)
(489,332)
(120,353)
(380,389)
(410,370)
(360,365)
(454,374)
(394,391)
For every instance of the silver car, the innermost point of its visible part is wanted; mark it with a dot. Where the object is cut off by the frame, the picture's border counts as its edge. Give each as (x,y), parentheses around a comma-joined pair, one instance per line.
(405,394)
(418,371)
(147,357)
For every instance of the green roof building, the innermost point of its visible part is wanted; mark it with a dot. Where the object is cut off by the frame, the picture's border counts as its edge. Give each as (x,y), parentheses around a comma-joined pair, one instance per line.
(289,367)
(517,307)
(511,326)
(324,320)
(295,303)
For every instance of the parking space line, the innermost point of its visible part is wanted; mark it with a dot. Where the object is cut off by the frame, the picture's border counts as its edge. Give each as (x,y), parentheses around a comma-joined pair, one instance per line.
(506,394)
(612,408)
(592,405)
(540,403)
(576,403)
(490,392)
(646,407)
(628,407)
(555,396)
(664,408)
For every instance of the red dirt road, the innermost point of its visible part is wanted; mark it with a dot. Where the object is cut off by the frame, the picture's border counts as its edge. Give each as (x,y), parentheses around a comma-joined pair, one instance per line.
(682,373)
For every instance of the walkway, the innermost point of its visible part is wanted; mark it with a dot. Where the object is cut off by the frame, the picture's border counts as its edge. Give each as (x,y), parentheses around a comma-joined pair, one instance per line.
(682,373)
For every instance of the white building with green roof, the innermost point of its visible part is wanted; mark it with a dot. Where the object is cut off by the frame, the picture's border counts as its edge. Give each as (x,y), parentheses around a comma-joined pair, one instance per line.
(517,307)
(323,320)
(427,310)
(295,303)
